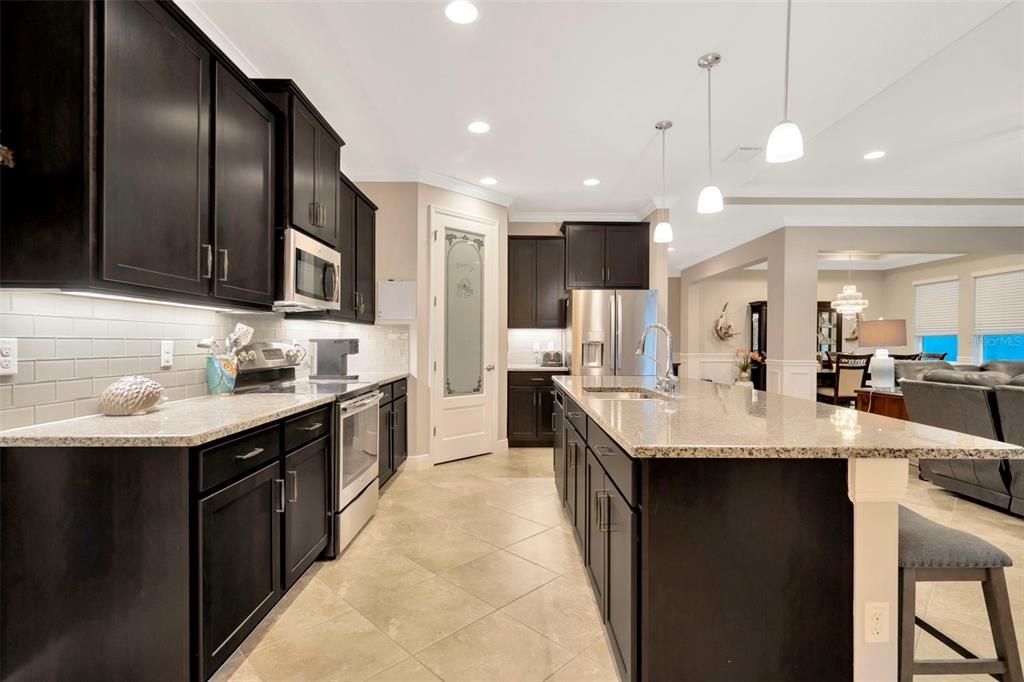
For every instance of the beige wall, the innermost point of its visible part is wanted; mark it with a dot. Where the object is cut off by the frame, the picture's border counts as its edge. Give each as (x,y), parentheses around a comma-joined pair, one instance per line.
(535,229)
(403,252)
(673,307)
(898,301)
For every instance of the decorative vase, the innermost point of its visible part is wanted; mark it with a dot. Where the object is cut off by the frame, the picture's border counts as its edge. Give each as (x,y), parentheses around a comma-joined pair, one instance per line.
(743,376)
(130,395)
(221,371)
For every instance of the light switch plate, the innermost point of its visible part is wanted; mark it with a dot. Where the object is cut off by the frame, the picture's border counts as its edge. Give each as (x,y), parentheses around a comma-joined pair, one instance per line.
(8,357)
(166,354)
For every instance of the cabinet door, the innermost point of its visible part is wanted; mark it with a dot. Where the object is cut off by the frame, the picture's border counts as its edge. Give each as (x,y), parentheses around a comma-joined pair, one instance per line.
(559,450)
(597,511)
(572,444)
(155,175)
(623,549)
(306,473)
(400,432)
(304,166)
(239,562)
(550,283)
(328,164)
(627,255)
(522,283)
(585,264)
(522,414)
(366,286)
(582,518)
(347,247)
(243,193)
(545,413)
(385,456)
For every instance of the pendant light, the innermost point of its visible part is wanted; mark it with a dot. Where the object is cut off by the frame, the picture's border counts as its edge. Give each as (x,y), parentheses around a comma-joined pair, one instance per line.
(785,143)
(663,230)
(710,199)
(849,302)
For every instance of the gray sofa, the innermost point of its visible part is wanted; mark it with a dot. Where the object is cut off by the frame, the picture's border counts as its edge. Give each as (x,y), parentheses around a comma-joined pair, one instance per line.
(966,399)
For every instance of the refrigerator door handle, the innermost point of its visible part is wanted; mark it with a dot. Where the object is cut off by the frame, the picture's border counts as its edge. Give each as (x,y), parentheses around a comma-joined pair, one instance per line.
(618,332)
(612,340)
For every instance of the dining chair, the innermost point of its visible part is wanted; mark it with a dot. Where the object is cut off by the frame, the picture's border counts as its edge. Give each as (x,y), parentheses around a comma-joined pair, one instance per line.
(851,372)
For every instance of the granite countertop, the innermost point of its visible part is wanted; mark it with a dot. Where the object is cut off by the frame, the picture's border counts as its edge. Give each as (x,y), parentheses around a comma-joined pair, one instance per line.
(720,421)
(536,368)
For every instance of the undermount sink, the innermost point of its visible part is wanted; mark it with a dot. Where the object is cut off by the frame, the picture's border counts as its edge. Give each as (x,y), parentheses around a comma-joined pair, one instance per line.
(611,393)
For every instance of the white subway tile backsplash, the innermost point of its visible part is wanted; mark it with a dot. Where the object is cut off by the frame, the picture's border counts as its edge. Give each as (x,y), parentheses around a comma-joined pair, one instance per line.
(71,348)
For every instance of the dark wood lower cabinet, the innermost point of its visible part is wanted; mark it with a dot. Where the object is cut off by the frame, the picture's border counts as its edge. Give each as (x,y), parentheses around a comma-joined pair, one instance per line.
(393,429)
(522,414)
(559,448)
(400,436)
(306,476)
(622,545)
(531,409)
(597,518)
(239,563)
(385,461)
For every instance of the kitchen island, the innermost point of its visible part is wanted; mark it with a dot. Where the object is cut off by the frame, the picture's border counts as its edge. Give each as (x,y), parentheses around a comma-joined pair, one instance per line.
(731,534)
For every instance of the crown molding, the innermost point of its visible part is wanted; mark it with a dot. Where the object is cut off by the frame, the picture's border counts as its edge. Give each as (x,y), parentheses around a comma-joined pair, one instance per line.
(211,29)
(438,180)
(574,216)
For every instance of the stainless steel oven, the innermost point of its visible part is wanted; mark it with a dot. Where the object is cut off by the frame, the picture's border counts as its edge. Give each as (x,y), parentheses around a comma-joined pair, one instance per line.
(311,275)
(355,467)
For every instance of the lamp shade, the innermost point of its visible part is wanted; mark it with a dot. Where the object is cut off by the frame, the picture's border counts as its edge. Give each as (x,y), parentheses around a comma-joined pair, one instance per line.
(663,232)
(784,144)
(710,200)
(882,333)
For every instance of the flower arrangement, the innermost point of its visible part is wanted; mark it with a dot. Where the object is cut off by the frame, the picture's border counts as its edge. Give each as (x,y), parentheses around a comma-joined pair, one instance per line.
(744,360)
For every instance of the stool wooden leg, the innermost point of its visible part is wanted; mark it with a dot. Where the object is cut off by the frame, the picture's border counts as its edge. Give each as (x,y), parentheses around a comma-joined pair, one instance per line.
(908,605)
(997,602)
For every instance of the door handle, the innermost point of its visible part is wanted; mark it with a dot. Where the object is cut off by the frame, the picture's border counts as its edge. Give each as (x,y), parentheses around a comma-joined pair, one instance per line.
(294,475)
(224,260)
(249,455)
(209,261)
(604,512)
(279,482)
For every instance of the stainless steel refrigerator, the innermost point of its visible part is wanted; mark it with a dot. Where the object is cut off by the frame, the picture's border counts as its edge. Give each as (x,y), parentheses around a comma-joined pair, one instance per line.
(605,326)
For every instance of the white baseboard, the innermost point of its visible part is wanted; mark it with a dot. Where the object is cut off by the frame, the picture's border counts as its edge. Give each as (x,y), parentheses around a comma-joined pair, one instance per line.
(501,446)
(418,462)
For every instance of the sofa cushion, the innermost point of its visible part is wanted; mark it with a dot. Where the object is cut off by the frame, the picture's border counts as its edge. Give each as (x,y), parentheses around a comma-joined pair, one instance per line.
(1017,380)
(916,369)
(926,544)
(1012,367)
(953,376)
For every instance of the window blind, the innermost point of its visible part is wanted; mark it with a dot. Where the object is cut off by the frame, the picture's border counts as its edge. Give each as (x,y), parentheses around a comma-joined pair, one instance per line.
(936,308)
(999,303)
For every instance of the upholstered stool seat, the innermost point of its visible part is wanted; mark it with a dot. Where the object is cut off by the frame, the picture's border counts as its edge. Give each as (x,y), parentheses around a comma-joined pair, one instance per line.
(931,552)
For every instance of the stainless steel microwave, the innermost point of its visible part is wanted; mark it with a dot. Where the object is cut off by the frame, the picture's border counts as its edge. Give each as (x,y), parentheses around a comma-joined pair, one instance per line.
(310,275)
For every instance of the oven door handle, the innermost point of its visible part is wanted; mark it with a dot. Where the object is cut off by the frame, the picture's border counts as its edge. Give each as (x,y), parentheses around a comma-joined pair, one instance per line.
(354,406)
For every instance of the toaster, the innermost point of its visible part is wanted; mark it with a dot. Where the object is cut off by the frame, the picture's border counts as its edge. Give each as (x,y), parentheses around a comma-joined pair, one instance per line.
(551,358)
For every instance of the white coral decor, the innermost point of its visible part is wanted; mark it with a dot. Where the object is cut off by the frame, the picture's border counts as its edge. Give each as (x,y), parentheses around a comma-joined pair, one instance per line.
(130,395)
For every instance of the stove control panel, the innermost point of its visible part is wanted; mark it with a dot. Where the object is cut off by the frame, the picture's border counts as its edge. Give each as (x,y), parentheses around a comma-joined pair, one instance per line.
(270,355)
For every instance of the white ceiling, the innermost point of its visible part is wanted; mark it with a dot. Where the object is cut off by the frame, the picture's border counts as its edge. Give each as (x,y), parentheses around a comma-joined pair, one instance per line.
(873,261)
(573,89)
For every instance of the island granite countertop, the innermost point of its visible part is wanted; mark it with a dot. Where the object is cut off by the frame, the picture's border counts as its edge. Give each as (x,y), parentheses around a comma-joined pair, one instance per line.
(720,421)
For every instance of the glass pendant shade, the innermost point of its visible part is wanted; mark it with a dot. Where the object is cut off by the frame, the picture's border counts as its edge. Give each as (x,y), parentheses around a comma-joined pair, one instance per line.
(849,302)
(784,144)
(663,232)
(710,200)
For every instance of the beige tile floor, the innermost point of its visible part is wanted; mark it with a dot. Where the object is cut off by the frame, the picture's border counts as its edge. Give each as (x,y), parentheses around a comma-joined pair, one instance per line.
(469,572)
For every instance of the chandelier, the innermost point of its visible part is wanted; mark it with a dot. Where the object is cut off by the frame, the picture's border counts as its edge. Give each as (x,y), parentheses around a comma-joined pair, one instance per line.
(849,302)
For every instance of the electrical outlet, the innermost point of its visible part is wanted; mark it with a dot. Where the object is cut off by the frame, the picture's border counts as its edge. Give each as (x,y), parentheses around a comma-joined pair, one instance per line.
(876,622)
(166,354)
(8,357)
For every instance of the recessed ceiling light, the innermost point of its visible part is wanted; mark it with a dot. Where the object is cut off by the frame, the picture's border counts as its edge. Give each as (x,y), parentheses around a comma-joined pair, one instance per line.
(591,182)
(479,127)
(461,12)
(871,156)
(488,181)
(671,248)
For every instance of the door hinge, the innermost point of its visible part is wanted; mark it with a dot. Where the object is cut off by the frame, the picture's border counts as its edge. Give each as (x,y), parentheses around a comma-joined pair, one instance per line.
(435,235)
(435,301)
(435,430)
(435,365)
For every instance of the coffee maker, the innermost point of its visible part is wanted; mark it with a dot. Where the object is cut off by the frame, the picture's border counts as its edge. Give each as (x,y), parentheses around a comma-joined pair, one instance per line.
(329,358)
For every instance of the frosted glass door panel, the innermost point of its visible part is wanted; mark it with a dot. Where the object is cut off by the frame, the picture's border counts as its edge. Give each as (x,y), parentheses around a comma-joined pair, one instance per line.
(464,313)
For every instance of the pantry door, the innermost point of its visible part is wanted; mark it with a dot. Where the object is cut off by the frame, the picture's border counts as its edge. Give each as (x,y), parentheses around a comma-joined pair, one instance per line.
(464,337)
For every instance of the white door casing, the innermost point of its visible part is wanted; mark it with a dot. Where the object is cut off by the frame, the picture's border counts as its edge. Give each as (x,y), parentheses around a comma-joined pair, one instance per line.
(464,382)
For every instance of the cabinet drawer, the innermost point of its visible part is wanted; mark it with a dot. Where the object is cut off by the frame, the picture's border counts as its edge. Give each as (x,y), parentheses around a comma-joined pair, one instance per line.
(576,416)
(227,460)
(399,388)
(387,393)
(529,379)
(621,468)
(305,428)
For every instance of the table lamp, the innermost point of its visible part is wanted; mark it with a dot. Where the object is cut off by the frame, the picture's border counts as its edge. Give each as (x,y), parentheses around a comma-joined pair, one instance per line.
(882,334)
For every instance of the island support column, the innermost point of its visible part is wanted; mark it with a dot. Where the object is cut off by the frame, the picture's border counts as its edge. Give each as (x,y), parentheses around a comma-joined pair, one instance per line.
(876,487)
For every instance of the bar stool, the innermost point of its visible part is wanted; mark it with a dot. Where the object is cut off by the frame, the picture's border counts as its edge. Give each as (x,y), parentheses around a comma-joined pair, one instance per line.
(931,552)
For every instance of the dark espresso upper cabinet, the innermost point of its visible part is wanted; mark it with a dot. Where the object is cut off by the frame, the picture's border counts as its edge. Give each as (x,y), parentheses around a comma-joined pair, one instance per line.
(144,157)
(366,237)
(243,227)
(347,245)
(607,255)
(536,282)
(155,172)
(309,159)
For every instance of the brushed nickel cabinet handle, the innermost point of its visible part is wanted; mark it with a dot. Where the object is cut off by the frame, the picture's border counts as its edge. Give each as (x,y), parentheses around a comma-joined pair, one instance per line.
(294,476)
(536,378)
(311,427)
(574,415)
(209,261)
(249,455)
(604,450)
(280,491)
(312,213)
(224,265)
